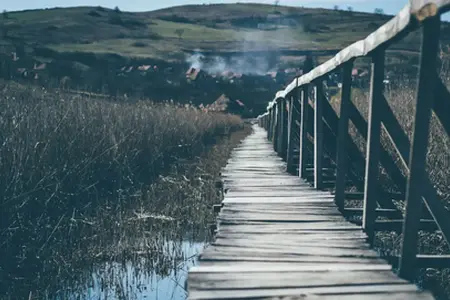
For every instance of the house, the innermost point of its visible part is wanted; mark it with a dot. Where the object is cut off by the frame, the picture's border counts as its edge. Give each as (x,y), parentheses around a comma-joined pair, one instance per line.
(220,105)
(144,68)
(193,74)
(225,104)
(42,66)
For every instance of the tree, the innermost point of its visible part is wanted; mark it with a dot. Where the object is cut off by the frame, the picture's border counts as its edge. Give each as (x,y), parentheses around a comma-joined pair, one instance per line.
(336,7)
(117,9)
(5,14)
(379,11)
(350,8)
(179,32)
(277,2)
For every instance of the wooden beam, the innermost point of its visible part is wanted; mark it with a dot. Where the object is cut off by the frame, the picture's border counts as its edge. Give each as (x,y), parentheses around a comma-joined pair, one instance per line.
(381,212)
(318,134)
(373,144)
(385,158)
(276,126)
(425,261)
(343,136)
(303,91)
(356,165)
(284,128)
(291,126)
(280,114)
(424,99)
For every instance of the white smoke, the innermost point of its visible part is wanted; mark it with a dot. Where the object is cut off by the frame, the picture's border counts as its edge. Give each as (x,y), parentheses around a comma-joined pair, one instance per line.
(245,63)
(255,56)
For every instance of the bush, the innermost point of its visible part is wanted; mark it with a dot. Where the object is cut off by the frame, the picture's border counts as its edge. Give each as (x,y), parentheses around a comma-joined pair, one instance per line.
(93,13)
(115,19)
(139,44)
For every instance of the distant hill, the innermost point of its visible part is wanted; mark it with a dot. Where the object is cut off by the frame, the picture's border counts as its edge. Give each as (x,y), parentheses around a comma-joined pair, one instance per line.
(95,48)
(166,34)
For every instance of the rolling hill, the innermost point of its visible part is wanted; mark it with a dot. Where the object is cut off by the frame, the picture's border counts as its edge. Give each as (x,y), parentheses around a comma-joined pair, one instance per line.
(250,39)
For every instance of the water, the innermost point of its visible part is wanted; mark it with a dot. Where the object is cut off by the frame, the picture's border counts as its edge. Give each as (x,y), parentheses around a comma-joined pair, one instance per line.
(138,278)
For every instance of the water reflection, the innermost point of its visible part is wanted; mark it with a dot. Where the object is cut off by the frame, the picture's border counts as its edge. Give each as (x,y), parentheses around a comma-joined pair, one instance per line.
(136,279)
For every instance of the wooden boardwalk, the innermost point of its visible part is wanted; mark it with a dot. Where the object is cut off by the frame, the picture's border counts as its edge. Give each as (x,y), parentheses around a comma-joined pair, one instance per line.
(278,238)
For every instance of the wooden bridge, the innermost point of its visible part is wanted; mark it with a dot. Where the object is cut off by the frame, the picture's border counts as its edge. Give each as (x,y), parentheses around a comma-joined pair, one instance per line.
(286,228)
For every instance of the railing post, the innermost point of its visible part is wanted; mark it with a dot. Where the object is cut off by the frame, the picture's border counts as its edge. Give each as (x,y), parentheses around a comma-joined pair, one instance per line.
(373,143)
(303,91)
(290,146)
(276,122)
(280,126)
(343,136)
(270,125)
(285,128)
(318,134)
(417,163)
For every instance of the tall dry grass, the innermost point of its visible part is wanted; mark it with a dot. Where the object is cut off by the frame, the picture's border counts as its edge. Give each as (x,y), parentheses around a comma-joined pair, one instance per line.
(62,155)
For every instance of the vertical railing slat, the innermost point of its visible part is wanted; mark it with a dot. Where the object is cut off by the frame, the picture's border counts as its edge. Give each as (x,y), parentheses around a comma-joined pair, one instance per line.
(318,134)
(275,126)
(343,136)
(424,102)
(290,146)
(373,144)
(284,129)
(303,91)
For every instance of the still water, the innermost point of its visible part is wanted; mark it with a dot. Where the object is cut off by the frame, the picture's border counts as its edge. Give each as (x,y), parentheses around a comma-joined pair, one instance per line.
(139,278)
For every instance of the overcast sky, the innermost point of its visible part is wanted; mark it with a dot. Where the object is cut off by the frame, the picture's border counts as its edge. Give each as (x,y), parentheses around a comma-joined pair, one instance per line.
(389,6)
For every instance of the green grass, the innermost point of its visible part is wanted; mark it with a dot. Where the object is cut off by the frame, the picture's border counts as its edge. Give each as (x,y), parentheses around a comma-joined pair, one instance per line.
(208,27)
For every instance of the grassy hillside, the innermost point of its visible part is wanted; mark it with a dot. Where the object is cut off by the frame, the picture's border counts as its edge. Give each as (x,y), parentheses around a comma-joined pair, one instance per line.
(167,33)
(96,49)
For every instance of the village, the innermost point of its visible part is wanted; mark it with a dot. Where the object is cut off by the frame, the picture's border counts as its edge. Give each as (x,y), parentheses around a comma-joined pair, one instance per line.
(224,91)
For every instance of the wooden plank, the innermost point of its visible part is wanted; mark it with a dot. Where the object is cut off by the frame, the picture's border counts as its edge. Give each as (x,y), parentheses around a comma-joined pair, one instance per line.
(293,252)
(284,230)
(280,200)
(251,267)
(276,243)
(373,144)
(343,136)
(419,145)
(290,279)
(318,134)
(321,290)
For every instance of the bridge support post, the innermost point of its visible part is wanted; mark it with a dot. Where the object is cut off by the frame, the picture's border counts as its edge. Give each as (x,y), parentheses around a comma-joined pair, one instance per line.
(303,130)
(318,134)
(284,128)
(343,136)
(373,143)
(417,161)
(276,121)
(270,126)
(290,146)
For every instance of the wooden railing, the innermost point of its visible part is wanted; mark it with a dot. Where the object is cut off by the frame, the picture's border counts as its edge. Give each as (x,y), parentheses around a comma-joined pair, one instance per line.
(301,118)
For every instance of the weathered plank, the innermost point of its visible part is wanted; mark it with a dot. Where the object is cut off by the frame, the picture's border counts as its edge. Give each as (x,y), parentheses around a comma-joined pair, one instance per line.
(279,237)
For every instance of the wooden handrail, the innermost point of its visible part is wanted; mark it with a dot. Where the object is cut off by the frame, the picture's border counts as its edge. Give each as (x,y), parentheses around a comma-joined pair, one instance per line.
(324,138)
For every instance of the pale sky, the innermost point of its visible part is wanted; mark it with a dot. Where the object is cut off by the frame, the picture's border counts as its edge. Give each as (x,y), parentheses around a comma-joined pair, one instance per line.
(389,6)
